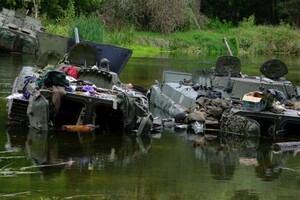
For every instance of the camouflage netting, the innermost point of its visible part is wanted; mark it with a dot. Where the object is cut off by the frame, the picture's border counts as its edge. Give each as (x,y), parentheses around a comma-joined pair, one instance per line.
(208,111)
(233,123)
(217,112)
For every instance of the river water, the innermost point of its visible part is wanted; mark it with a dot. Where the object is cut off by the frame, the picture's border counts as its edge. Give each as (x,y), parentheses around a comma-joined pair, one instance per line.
(174,164)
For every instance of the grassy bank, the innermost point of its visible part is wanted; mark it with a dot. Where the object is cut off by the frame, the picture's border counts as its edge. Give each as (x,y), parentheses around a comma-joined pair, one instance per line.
(246,39)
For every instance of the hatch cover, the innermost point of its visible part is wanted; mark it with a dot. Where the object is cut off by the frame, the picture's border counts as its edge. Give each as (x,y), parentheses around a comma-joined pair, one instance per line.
(274,69)
(228,64)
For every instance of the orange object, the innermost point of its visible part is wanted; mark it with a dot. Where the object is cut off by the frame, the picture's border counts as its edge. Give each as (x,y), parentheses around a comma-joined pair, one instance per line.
(78,128)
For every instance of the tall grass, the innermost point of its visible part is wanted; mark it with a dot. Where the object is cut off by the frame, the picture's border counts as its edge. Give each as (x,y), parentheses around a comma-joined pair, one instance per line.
(267,40)
(199,42)
(245,39)
(124,37)
(90,28)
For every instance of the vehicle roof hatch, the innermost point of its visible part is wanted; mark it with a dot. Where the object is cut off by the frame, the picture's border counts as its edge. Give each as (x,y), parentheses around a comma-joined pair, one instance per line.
(82,53)
(274,69)
(228,64)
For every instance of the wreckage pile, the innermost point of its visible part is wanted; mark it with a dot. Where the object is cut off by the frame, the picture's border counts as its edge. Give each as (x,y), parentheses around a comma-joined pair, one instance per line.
(71,96)
(271,102)
(216,115)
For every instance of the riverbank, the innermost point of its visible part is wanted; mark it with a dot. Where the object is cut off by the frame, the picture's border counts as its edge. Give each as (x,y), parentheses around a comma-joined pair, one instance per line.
(246,39)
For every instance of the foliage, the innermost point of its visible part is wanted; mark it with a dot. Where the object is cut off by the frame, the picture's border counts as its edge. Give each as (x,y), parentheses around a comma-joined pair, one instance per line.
(138,23)
(115,13)
(10,4)
(248,23)
(164,16)
(87,7)
(198,42)
(61,26)
(53,9)
(233,10)
(245,39)
(265,12)
(267,40)
(69,13)
(289,12)
(217,25)
(90,28)
(124,38)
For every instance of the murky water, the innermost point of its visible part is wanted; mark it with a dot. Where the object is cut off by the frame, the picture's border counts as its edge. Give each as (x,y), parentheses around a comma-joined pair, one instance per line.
(172,165)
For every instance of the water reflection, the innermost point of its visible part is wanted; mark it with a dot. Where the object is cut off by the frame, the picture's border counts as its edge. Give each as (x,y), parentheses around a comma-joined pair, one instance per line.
(54,152)
(269,164)
(225,154)
(245,194)
(171,164)
(272,158)
(82,160)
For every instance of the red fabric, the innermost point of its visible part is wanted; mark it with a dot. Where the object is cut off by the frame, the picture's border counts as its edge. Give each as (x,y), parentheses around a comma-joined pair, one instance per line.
(71,71)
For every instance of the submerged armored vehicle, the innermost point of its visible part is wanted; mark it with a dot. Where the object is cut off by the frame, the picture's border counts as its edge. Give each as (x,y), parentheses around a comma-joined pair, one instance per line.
(269,99)
(18,31)
(79,93)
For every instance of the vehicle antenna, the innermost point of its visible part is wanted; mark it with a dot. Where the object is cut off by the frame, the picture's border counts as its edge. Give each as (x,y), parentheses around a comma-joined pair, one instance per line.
(228,47)
(76,35)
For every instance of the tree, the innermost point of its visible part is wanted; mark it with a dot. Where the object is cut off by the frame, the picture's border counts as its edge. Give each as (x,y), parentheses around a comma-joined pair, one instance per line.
(232,11)
(33,7)
(166,15)
(265,12)
(86,7)
(163,16)
(12,4)
(54,9)
(289,11)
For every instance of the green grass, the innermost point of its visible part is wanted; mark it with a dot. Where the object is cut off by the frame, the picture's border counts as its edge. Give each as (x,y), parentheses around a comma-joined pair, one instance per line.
(87,30)
(244,39)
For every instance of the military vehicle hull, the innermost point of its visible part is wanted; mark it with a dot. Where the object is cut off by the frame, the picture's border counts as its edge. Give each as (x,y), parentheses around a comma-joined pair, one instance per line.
(14,40)
(18,31)
(78,94)
(179,91)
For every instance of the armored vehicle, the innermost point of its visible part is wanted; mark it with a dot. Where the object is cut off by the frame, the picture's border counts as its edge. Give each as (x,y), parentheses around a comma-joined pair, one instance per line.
(80,93)
(18,31)
(269,99)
